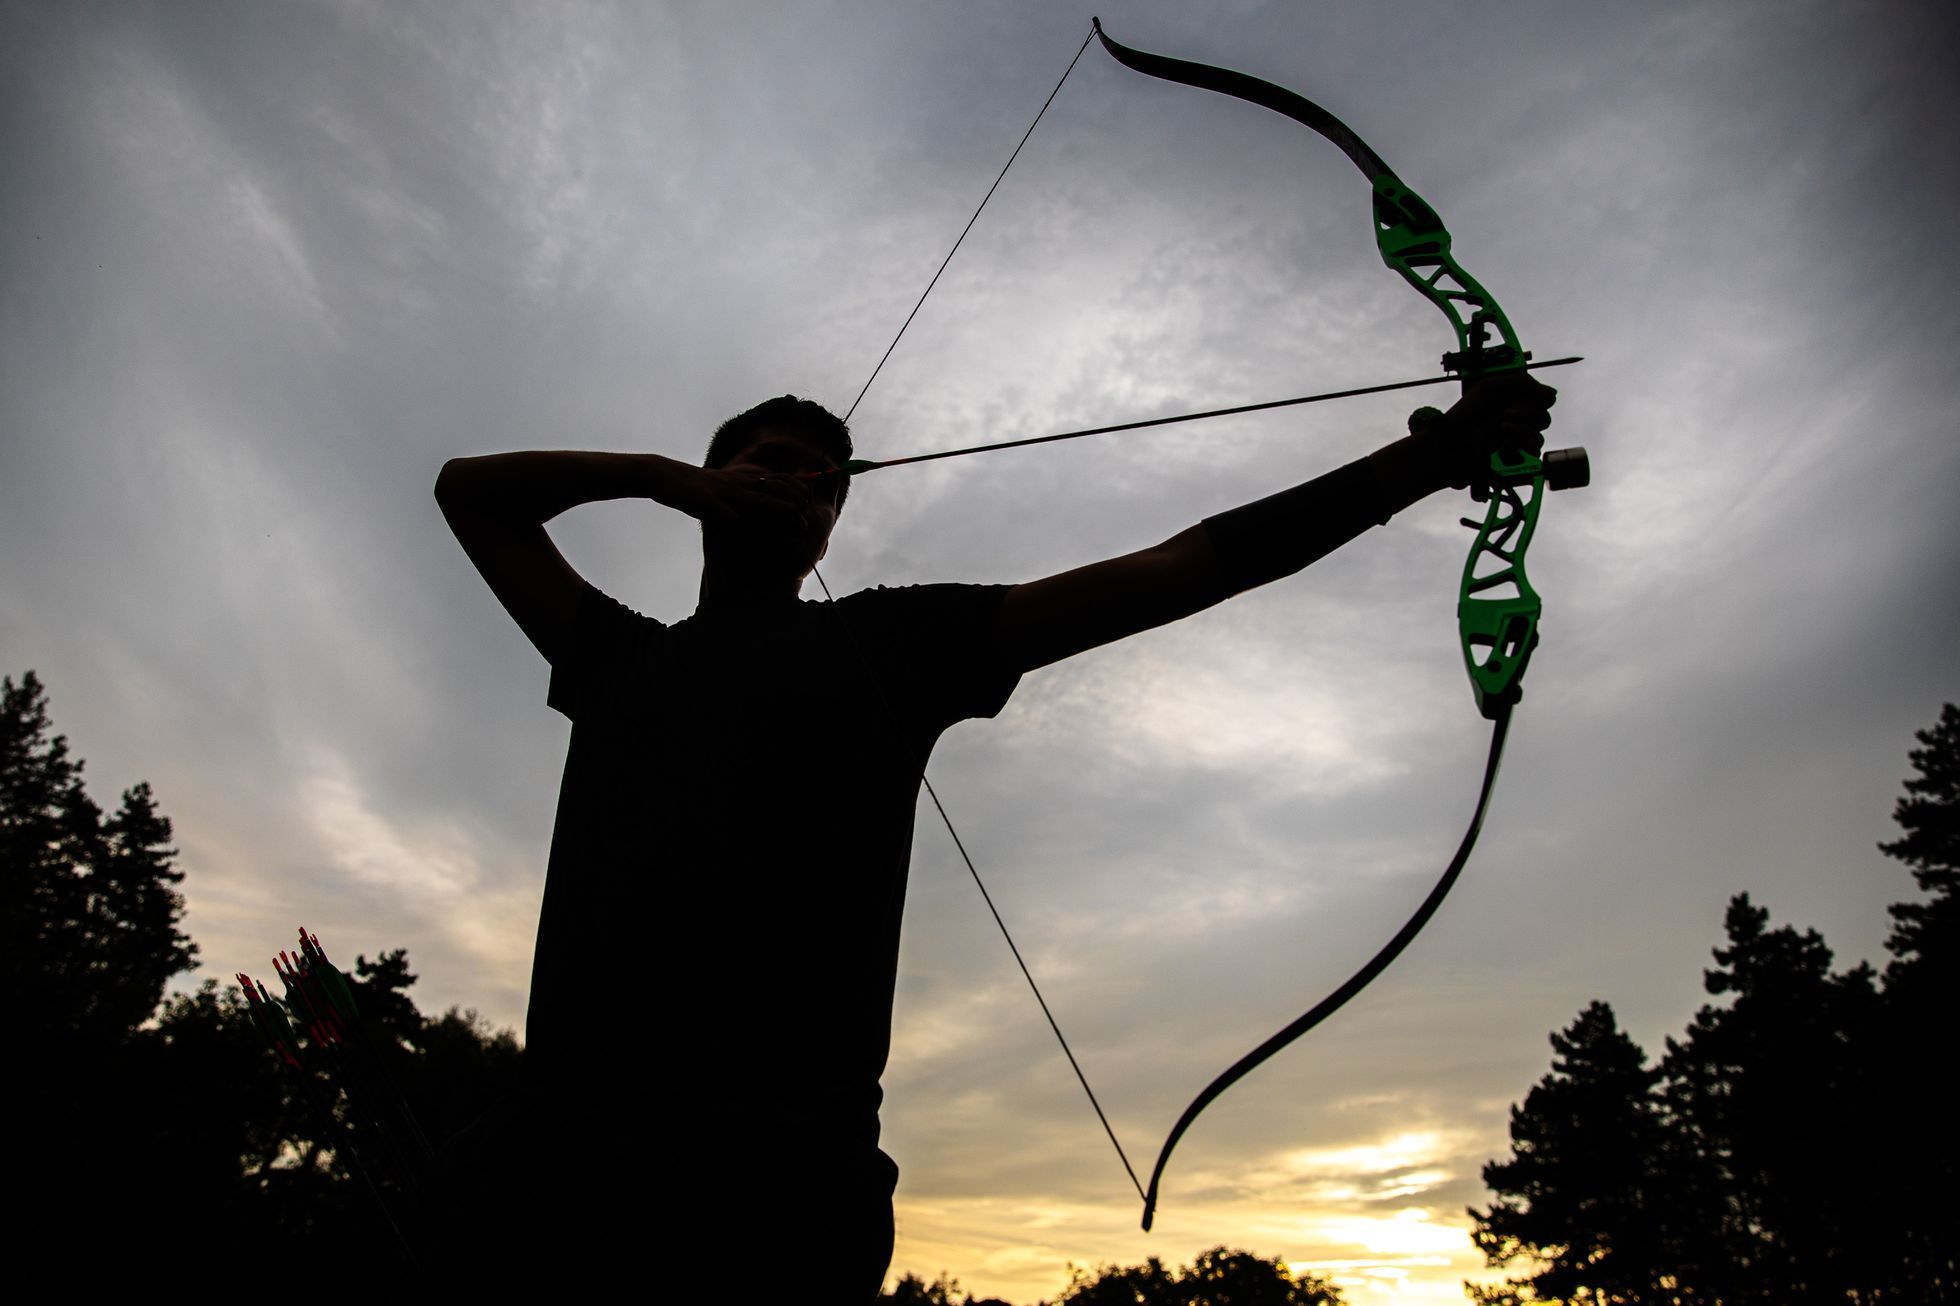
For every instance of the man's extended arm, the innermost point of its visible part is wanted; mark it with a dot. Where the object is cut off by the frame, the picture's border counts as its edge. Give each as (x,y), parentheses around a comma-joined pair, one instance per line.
(1047,620)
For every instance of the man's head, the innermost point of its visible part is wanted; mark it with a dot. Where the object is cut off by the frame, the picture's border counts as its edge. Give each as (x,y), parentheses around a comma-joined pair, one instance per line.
(805,419)
(779,443)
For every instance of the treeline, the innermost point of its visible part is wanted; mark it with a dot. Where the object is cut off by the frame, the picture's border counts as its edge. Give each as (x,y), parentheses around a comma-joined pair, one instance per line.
(157,1143)
(1219,1277)
(1799,1143)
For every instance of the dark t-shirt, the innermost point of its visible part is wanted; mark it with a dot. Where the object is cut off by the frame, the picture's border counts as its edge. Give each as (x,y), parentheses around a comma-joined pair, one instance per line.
(721,913)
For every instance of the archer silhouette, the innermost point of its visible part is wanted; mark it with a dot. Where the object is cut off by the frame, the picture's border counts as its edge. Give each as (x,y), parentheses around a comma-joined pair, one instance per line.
(711,992)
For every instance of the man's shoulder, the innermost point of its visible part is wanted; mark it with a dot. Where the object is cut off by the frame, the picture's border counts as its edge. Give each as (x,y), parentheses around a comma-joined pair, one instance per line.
(938,603)
(940,641)
(595,603)
(928,593)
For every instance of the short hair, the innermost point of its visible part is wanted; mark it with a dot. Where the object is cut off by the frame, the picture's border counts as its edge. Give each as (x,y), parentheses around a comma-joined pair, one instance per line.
(803,417)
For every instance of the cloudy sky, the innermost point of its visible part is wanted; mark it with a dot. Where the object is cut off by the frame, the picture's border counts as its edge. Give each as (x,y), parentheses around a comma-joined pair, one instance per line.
(263,267)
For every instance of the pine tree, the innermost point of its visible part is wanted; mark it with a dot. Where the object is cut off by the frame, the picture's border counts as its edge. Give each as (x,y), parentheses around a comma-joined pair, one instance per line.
(1771,1091)
(1582,1194)
(1917,1097)
(90,905)
(89,908)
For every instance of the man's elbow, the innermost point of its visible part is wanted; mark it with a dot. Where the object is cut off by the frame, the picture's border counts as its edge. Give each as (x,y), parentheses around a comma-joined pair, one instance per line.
(453,480)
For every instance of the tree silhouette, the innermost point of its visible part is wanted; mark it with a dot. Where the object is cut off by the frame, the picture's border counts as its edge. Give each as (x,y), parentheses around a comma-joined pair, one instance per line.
(153,1140)
(1219,1277)
(1771,1093)
(90,905)
(911,1290)
(89,910)
(1925,940)
(1588,1146)
(1797,1144)
(1919,1093)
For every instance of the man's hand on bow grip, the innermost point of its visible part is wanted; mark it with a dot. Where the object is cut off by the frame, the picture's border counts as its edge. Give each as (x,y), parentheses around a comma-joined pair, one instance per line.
(1509,411)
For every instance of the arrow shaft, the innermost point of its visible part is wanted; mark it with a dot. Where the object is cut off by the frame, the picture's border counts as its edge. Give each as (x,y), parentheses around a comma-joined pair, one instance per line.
(859,467)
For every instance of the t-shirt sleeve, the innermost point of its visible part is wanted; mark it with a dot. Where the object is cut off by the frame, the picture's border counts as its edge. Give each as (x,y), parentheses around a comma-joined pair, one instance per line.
(937,646)
(605,657)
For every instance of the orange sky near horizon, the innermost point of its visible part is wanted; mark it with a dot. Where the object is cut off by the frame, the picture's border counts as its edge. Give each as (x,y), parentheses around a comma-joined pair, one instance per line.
(1311,1208)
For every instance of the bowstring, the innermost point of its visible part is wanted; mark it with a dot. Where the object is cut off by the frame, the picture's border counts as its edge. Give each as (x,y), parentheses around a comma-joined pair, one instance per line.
(968,227)
(898,736)
(891,712)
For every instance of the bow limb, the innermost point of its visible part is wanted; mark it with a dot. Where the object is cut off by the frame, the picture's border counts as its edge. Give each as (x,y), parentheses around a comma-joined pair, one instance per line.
(1408,232)
(1334,1001)
(1497,608)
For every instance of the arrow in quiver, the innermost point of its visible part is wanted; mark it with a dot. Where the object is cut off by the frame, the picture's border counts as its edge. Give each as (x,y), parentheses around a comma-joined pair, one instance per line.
(318,1034)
